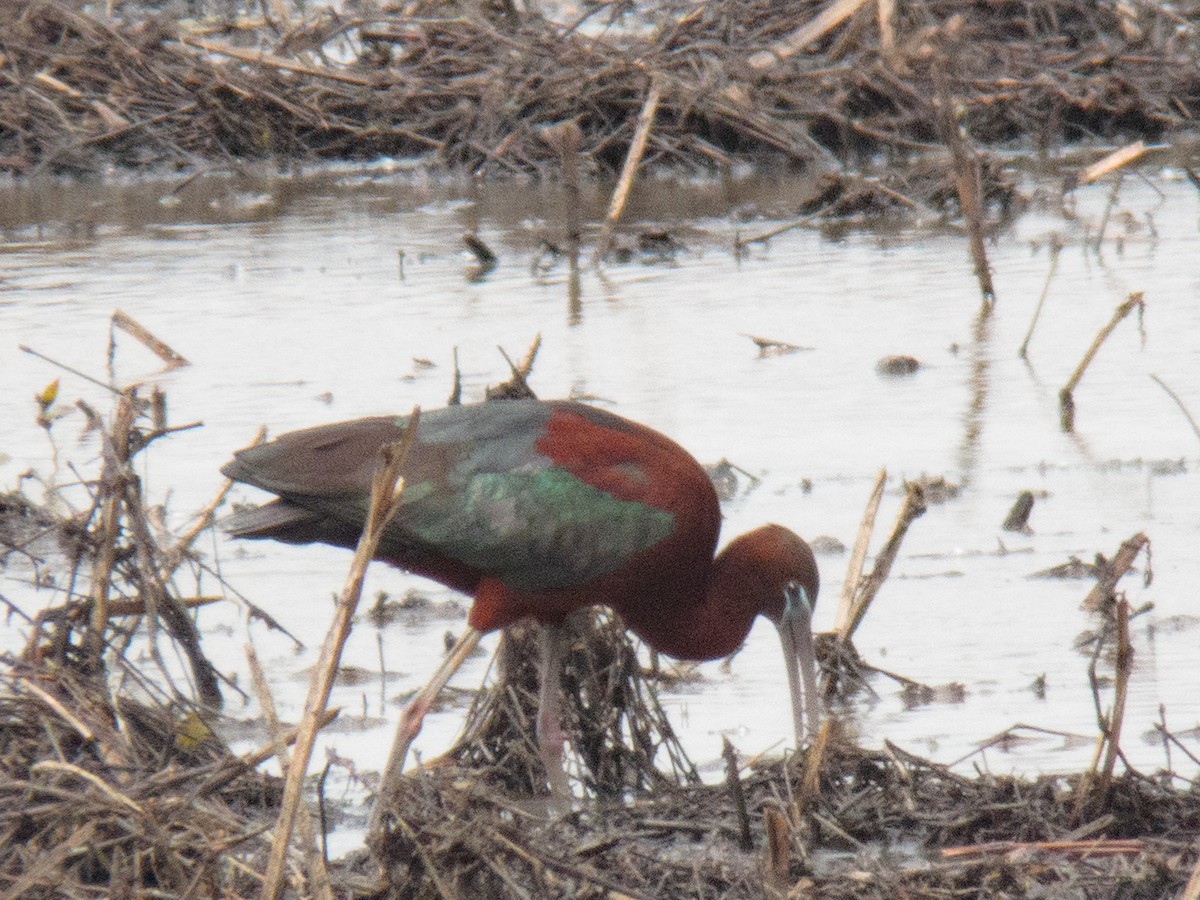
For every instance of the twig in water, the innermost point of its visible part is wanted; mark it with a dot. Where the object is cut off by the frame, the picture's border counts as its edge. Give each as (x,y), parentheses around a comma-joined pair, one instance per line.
(1112,571)
(54,362)
(1170,393)
(1018,516)
(1108,208)
(1113,161)
(1056,246)
(517,387)
(633,159)
(485,259)
(203,519)
(773,347)
(159,348)
(456,389)
(967,181)
(1066,399)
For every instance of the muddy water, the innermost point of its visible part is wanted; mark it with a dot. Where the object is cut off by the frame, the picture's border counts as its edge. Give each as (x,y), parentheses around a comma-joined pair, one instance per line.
(303,302)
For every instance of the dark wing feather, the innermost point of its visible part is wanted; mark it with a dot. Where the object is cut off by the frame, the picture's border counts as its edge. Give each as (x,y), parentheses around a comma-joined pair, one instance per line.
(477,492)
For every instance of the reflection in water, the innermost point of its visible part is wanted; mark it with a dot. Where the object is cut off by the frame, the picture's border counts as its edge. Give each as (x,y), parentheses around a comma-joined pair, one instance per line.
(574,284)
(979,352)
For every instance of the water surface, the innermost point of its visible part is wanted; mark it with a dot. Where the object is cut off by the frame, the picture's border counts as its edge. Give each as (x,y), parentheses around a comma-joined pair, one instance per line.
(300,302)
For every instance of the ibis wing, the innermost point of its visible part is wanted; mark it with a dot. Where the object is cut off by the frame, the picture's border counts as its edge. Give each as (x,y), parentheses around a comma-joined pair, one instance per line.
(477,491)
(539,528)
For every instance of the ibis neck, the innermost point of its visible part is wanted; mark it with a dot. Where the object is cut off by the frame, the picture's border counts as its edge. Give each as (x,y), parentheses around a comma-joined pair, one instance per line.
(708,622)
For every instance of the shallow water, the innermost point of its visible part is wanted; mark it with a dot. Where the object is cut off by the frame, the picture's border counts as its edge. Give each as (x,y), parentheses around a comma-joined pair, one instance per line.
(294,305)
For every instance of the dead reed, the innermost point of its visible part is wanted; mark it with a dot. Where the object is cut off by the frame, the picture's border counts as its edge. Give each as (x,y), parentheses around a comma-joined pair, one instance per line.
(729,80)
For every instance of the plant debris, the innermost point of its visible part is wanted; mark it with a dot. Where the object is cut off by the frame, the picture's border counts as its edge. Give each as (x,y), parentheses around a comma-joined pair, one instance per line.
(477,91)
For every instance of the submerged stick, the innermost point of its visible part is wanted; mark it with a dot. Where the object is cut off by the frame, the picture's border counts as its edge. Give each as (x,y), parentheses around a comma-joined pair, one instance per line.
(1066,399)
(1056,246)
(1114,570)
(566,138)
(1170,393)
(633,159)
(387,486)
(1108,208)
(160,348)
(1018,517)
(968,184)
(1113,161)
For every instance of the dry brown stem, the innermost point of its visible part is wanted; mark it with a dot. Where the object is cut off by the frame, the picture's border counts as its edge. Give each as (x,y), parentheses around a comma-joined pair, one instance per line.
(473,90)
(386,488)
(1055,251)
(1178,402)
(1066,397)
(1096,786)
(842,622)
(1113,161)
(317,868)
(633,159)
(829,18)
(1112,571)
(866,589)
(968,182)
(158,347)
(734,784)
(273,61)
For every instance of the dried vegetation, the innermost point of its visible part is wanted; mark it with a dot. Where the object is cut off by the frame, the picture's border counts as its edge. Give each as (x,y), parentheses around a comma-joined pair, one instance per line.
(111,782)
(735,79)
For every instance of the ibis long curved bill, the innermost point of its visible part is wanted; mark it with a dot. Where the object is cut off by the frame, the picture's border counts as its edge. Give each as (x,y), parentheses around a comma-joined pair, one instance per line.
(795,633)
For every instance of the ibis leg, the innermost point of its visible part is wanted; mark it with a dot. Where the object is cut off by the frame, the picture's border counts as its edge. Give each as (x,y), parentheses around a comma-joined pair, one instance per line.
(413,717)
(553,641)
